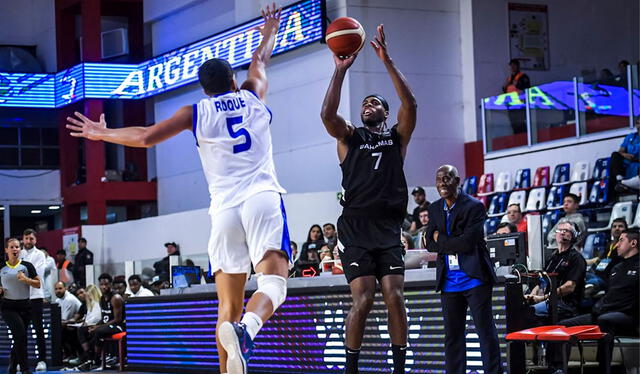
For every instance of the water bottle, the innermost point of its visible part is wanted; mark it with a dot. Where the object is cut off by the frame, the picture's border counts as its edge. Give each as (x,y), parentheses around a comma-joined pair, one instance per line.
(542,355)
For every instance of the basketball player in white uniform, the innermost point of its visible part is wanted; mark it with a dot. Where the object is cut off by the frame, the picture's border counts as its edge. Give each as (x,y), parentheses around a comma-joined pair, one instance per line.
(231,127)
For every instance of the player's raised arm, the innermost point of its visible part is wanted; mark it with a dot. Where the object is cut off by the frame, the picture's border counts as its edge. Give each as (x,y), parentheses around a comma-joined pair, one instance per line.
(257,76)
(135,136)
(408,105)
(336,125)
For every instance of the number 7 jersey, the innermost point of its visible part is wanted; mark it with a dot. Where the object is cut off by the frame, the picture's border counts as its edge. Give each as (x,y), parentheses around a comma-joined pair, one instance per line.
(234,142)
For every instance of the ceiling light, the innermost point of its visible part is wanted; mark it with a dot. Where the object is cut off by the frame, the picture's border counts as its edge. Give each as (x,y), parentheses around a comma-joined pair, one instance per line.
(36,211)
(54,207)
(1,207)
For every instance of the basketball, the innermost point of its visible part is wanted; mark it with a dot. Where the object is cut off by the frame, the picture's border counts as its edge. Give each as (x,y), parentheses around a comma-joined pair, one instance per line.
(345,36)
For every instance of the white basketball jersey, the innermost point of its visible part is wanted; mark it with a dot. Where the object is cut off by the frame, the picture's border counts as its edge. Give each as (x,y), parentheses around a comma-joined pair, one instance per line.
(234,142)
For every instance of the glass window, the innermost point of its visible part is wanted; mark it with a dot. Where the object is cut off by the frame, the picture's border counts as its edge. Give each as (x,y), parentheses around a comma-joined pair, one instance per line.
(8,136)
(9,157)
(30,136)
(50,136)
(31,157)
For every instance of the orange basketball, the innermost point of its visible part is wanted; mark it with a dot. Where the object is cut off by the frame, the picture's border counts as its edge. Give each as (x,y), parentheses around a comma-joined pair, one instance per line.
(345,36)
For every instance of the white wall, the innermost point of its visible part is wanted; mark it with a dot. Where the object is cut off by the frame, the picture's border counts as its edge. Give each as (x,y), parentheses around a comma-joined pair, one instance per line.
(30,187)
(36,26)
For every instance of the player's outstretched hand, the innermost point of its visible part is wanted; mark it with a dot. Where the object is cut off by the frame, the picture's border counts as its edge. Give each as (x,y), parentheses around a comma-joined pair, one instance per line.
(271,16)
(379,44)
(343,63)
(83,127)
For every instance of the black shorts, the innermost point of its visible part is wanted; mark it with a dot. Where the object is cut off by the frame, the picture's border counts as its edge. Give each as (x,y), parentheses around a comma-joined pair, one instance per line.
(371,247)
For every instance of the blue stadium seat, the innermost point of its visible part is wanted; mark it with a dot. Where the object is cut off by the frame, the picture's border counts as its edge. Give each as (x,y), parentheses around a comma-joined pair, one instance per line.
(470,185)
(601,168)
(561,174)
(594,245)
(523,179)
(599,192)
(555,199)
(498,205)
(549,220)
(491,225)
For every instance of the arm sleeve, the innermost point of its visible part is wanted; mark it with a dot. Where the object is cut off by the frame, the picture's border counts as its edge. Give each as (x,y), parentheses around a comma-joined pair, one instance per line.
(31,270)
(464,243)
(577,271)
(625,142)
(39,263)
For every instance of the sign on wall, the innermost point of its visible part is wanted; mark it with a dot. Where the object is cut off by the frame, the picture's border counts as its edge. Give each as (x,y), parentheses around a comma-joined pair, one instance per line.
(529,36)
(302,23)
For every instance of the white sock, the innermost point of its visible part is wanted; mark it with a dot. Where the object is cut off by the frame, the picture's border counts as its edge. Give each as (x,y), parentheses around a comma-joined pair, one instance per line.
(253,323)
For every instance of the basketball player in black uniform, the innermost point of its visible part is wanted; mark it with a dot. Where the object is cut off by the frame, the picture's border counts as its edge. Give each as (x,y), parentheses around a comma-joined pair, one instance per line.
(374,203)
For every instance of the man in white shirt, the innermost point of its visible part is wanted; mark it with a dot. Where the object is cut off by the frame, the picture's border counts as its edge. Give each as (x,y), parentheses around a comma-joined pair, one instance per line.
(33,255)
(137,290)
(69,304)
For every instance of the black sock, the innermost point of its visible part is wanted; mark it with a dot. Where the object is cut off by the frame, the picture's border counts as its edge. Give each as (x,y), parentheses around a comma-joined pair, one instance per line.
(351,366)
(399,355)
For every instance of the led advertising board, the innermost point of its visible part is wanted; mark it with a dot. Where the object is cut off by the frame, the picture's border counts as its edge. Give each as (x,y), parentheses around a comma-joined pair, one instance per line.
(302,23)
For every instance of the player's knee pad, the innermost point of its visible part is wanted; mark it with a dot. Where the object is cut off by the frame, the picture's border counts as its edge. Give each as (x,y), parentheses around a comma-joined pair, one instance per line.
(275,287)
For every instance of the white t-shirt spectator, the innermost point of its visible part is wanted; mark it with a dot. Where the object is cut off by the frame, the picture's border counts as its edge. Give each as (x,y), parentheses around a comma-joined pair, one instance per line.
(94,315)
(37,259)
(142,292)
(69,305)
(50,278)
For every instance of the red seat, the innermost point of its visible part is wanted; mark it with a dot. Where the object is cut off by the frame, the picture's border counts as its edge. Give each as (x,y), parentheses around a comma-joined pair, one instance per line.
(485,187)
(530,334)
(541,179)
(118,336)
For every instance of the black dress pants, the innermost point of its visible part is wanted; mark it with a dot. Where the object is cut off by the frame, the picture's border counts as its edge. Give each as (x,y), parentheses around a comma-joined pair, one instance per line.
(17,319)
(454,309)
(36,321)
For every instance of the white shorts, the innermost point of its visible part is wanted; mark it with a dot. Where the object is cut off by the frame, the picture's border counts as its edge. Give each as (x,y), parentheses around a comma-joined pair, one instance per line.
(241,235)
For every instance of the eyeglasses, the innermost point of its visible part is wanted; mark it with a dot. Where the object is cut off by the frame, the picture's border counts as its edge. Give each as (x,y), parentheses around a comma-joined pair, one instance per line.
(562,231)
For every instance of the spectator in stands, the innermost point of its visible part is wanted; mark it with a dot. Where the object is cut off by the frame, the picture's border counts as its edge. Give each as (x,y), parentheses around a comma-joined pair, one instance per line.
(517,81)
(419,197)
(92,305)
(606,77)
(162,267)
(329,230)
(420,239)
(137,290)
(119,286)
(621,78)
(326,256)
(506,228)
(601,264)
(82,258)
(514,216)
(625,163)
(65,267)
(617,313)
(50,277)
(295,255)
(69,307)
(112,306)
(570,206)
(570,266)
(314,242)
(407,240)
(308,259)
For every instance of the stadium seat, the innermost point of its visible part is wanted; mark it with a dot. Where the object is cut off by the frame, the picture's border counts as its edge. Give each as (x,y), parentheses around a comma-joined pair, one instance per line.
(522,180)
(599,194)
(485,187)
(503,184)
(636,221)
(518,197)
(541,179)
(594,244)
(549,220)
(620,210)
(580,171)
(601,168)
(580,189)
(561,174)
(484,200)
(470,185)
(536,199)
(555,199)
(491,225)
(498,205)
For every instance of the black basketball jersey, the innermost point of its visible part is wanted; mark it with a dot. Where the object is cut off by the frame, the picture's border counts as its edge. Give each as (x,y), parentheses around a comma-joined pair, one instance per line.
(107,309)
(373,180)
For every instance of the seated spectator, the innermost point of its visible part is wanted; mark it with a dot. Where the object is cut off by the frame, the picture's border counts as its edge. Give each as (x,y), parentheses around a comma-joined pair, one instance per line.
(326,258)
(406,240)
(308,259)
(162,267)
(137,290)
(569,265)
(69,307)
(329,230)
(420,238)
(119,286)
(314,242)
(419,197)
(295,255)
(600,264)
(65,267)
(617,313)
(606,77)
(621,78)
(625,162)
(570,206)
(92,305)
(112,306)
(514,216)
(506,228)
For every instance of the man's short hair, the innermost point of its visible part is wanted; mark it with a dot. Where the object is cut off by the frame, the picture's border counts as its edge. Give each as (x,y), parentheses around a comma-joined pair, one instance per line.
(171,243)
(514,61)
(29,232)
(61,252)
(135,277)
(424,207)
(329,224)
(511,226)
(621,220)
(632,234)
(105,276)
(215,76)
(573,197)
(515,204)
(83,240)
(294,245)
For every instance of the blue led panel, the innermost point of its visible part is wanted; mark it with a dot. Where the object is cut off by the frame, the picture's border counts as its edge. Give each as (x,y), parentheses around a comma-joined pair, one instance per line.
(69,85)
(27,90)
